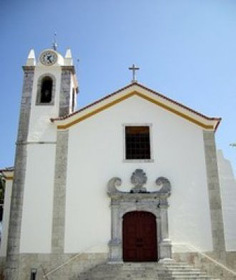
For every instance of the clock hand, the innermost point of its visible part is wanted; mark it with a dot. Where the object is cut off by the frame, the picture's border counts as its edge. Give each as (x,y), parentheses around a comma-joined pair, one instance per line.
(50,58)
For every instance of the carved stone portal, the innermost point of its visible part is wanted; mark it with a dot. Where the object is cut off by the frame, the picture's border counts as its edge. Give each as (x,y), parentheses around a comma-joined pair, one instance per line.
(138,199)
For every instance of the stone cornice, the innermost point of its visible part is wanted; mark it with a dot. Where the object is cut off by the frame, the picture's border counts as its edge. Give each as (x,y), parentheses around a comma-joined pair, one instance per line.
(69,68)
(28,68)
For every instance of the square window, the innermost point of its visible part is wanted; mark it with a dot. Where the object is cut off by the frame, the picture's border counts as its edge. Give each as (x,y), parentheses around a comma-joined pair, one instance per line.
(137,142)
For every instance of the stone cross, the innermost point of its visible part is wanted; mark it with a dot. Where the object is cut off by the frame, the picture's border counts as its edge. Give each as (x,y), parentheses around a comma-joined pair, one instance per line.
(134,68)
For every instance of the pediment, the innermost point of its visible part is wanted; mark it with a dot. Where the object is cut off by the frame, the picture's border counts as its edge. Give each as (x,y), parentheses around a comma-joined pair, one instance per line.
(135,89)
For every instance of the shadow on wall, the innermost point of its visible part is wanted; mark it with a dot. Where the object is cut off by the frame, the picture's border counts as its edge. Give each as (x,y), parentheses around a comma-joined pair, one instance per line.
(228,195)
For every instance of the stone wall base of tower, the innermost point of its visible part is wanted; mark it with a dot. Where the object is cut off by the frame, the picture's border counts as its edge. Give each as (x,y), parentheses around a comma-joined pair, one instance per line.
(58,266)
(209,262)
(2,267)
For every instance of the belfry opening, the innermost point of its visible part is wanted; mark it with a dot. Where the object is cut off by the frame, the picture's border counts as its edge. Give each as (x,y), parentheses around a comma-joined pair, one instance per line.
(46,90)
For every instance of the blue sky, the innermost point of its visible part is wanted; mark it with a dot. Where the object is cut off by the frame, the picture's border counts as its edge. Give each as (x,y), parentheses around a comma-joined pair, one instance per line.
(186,49)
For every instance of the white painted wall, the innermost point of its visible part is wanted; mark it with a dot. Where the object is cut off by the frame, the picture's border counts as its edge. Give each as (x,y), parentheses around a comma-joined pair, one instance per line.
(38,199)
(40,126)
(6,217)
(95,155)
(228,195)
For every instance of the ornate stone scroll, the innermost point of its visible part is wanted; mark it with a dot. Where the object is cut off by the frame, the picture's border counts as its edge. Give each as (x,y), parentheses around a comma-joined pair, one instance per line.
(112,184)
(164,185)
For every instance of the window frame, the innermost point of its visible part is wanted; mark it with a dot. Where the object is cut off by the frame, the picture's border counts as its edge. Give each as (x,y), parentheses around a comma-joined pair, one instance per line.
(150,139)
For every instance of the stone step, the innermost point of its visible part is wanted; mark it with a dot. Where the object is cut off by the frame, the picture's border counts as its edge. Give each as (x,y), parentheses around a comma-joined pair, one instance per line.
(144,271)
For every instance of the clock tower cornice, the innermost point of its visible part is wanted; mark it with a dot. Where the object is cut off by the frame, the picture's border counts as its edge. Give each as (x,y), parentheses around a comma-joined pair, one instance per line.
(25,68)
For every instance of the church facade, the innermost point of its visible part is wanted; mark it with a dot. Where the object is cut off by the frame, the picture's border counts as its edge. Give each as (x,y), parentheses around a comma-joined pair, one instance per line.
(132,177)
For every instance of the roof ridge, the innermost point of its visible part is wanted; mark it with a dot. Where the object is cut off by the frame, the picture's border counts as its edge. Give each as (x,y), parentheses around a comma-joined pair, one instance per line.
(162,96)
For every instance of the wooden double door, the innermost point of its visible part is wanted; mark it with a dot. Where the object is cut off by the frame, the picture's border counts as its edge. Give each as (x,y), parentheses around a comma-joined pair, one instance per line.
(139,237)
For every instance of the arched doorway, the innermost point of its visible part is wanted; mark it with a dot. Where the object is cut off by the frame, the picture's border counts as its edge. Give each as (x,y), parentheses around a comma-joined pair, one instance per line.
(139,237)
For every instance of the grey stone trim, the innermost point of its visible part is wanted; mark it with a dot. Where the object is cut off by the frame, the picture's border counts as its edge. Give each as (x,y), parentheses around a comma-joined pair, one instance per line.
(39,84)
(12,261)
(124,202)
(69,68)
(58,225)
(74,78)
(214,193)
(65,92)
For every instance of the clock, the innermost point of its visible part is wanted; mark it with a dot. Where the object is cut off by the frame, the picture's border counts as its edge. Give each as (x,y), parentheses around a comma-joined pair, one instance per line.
(48,58)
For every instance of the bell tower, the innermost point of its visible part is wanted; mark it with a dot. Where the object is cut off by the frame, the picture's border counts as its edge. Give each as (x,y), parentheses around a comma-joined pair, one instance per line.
(54,90)
(49,90)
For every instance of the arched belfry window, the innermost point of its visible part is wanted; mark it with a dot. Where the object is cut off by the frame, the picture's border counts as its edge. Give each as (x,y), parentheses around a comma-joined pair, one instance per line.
(46,88)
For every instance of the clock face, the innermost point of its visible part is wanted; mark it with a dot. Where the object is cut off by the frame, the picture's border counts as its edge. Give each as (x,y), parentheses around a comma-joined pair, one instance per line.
(48,58)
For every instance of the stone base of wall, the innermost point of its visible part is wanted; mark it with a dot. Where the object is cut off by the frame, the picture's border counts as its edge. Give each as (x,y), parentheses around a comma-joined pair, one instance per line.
(58,266)
(211,263)
(69,266)
(2,267)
